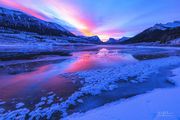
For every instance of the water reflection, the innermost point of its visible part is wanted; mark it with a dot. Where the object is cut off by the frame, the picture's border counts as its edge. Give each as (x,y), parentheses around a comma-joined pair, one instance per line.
(47,78)
(100,59)
(33,83)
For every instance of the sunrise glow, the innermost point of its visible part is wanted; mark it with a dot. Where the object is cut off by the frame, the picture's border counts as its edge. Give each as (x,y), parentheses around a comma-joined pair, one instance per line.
(89,19)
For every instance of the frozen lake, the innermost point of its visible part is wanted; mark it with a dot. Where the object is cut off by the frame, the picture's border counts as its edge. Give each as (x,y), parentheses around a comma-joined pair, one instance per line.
(52,78)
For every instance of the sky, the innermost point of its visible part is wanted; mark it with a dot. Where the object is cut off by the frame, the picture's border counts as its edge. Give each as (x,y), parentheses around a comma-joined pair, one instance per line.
(105,18)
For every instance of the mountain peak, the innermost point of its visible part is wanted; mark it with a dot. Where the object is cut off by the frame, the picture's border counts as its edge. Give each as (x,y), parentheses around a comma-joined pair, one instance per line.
(166,26)
(162,33)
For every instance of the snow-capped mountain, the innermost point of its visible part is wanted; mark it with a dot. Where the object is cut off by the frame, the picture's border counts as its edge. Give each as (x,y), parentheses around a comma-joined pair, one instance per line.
(91,39)
(112,41)
(124,39)
(117,41)
(166,26)
(11,19)
(162,33)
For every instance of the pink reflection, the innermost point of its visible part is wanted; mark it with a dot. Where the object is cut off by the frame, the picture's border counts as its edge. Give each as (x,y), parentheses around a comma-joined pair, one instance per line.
(14,85)
(48,77)
(86,61)
(103,58)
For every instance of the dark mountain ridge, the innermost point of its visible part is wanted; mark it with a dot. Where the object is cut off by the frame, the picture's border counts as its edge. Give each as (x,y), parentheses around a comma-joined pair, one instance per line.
(162,33)
(11,19)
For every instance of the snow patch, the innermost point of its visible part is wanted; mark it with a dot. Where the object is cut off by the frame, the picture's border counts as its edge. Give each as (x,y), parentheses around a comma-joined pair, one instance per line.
(176,78)
(2,103)
(19,105)
(175,41)
(2,110)
(43,98)
(40,104)
(166,26)
(161,104)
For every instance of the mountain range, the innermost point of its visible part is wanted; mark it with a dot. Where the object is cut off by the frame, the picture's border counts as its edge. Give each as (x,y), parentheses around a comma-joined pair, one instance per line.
(117,41)
(162,33)
(14,22)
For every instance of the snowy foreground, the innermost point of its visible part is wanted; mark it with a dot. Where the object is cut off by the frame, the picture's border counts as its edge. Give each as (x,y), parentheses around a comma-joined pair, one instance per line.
(146,107)
(160,104)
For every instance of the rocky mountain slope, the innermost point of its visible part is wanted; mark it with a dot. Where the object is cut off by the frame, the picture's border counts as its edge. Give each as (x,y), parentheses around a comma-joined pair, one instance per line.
(11,19)
(162,33)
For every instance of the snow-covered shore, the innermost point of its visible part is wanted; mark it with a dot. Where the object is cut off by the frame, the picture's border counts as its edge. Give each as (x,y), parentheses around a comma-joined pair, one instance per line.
(160,104)
(95,82)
